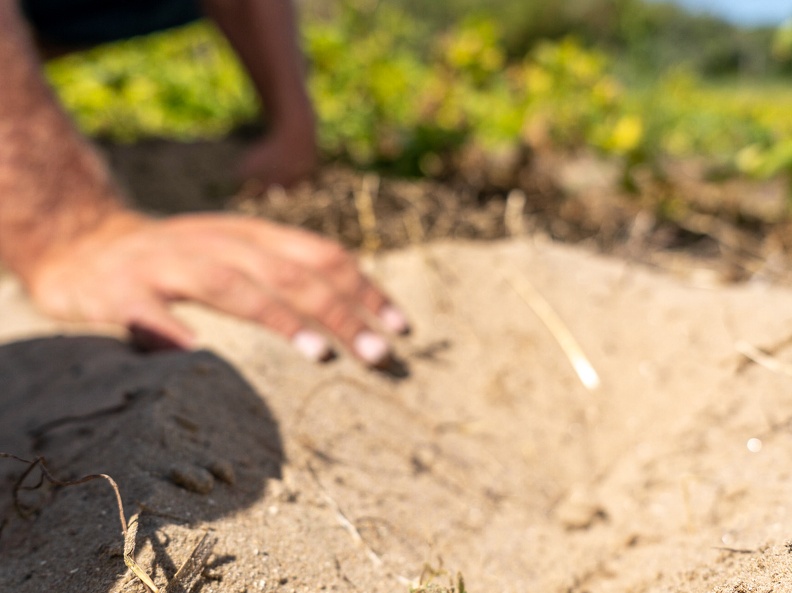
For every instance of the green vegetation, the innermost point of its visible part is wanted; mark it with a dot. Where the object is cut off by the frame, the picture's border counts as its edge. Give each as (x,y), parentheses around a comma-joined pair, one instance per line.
(403,94)
(184,84)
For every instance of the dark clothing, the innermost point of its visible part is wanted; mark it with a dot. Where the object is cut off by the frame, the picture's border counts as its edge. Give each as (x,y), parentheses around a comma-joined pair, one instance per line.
(90,22)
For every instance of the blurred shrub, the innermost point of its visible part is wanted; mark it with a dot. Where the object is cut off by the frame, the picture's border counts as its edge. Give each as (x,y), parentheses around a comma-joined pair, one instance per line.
(364,80)
(183,84)
(571,93)
(391,93)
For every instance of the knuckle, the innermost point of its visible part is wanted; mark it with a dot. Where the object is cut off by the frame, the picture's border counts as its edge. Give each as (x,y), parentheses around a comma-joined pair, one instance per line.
(220,281)
(290,278)
(341,269)
(334,314)
(279,319)
(335,258)
(136,311)
(271,313)
(94,313)
(256,307)
(373,300)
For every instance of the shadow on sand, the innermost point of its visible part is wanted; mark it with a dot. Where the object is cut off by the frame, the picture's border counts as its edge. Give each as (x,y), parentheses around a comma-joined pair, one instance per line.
(185,437)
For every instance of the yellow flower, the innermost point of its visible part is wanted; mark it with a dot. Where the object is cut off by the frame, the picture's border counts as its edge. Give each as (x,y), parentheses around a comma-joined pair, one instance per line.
(627,134)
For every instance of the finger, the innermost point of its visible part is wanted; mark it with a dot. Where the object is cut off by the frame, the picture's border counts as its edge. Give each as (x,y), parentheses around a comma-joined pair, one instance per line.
(237,275)
(345,276)
(151,341)
(231,291)
(282,294)
(336,265)
(393,319)
(153,327)
(342,272)
(314,298)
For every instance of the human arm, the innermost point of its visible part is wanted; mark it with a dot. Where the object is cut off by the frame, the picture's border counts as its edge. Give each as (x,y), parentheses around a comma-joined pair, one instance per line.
(53,185)
(83,254)
(264,36)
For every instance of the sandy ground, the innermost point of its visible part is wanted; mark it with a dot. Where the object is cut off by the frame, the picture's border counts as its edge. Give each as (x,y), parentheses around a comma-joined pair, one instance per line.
(491,459)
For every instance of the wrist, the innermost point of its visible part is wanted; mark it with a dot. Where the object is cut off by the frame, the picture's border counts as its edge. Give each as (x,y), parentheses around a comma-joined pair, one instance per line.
(73,239)
(297,119)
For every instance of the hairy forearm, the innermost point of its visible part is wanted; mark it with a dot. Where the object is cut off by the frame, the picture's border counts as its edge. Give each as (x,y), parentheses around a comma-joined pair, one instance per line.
(53,184)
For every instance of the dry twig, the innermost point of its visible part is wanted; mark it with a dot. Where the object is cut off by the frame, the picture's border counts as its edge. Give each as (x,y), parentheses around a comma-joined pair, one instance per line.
(344,521)
(364,202)
(47,476)
(513,215)
(350,527)
(184,579)
(584,369)
(771,363)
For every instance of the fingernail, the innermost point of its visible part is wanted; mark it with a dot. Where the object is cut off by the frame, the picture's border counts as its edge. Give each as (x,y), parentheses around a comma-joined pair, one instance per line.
(394,320)
(312,345)
(371,347)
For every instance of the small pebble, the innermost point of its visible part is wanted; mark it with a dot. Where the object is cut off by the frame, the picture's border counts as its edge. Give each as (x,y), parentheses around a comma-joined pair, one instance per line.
(194,479)
(579,511)
(754,445)
(223,471)
(212,575)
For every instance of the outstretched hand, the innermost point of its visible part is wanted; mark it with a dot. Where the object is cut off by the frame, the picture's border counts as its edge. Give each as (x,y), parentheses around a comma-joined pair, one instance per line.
(128,270)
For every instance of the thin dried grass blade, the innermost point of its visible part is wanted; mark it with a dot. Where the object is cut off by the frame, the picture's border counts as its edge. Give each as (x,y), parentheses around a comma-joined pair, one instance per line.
(129,554)
(577,358)
(762,359)
(130,535)
(189,573)
(141,574)
(344,521)
(513,218)
(364,203)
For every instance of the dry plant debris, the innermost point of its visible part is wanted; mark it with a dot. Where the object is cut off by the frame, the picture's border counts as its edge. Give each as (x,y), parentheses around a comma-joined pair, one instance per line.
(186,576)
(754,354)
(654,225)
(569,344)
(430,587)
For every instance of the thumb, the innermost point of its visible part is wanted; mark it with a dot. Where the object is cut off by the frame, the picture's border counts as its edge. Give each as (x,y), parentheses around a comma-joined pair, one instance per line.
(154,328)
